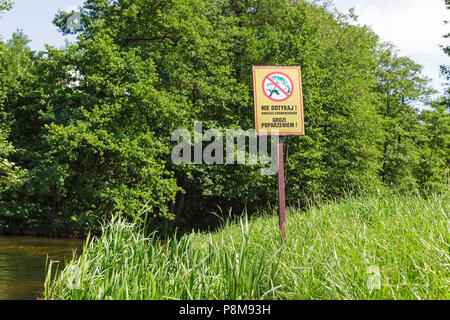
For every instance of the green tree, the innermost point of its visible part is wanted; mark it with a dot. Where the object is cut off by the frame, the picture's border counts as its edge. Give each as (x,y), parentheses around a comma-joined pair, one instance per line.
(433,170)
(445,69)
(5,5)
(92,122)
(400,84)
(202,53)
(10,67)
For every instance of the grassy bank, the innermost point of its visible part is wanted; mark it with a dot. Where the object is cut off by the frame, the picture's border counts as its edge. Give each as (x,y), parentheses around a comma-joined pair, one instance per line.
(371,248)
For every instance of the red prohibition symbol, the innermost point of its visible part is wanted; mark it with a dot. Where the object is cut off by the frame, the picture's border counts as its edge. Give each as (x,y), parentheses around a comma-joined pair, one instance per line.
(278,86)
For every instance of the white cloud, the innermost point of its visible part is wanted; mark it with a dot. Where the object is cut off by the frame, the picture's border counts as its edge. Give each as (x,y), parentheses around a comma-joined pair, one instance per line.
(72,8)
(415,27)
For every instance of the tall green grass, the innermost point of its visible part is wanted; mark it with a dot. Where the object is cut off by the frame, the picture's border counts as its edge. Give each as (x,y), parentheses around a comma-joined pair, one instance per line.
(370,248)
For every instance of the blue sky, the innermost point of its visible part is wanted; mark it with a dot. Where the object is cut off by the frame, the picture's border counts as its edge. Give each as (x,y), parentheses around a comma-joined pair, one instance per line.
(414,26)
(35,17)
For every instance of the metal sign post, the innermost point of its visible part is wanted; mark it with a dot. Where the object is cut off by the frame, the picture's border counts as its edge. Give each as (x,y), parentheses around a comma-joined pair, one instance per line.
(281,187)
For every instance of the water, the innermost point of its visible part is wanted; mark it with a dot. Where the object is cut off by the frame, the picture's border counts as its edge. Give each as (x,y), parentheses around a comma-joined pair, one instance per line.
(22,264)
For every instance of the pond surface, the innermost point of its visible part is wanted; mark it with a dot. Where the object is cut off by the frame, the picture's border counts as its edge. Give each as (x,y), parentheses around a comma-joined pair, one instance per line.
(22,264)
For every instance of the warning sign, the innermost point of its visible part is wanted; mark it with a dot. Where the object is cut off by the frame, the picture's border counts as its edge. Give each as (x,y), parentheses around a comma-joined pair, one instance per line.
(277,86)
(278,100)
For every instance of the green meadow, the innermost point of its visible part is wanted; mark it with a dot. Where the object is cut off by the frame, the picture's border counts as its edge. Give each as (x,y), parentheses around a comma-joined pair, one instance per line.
(394,247)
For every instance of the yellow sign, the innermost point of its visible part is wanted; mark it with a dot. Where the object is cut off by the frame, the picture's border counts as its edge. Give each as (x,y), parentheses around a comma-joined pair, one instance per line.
(278,100)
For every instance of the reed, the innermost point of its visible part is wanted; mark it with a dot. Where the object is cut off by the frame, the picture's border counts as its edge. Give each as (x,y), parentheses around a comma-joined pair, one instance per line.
(366,248)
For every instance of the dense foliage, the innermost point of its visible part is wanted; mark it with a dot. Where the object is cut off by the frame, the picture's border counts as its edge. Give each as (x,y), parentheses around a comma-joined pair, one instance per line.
(85,130)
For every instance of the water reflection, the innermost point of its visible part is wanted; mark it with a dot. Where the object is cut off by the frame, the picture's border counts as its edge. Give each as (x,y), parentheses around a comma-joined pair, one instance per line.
(22,264)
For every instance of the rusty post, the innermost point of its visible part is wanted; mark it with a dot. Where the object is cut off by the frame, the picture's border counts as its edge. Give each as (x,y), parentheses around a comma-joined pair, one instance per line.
(281,187)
